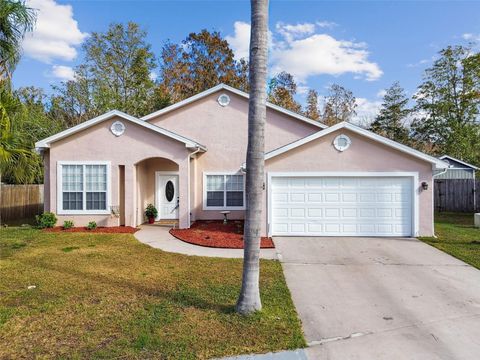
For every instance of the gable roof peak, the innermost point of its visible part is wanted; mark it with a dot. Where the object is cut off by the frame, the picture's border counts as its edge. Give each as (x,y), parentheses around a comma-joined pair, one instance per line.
(45,143)
(438,163)
(233,90)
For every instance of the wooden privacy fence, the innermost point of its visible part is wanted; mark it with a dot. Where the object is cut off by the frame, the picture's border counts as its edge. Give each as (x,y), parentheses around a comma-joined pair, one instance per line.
(457,195)
(20,202)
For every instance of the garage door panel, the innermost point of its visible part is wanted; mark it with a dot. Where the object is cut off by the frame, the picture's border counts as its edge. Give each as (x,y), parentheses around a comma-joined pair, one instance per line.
(315,212)
(315,197)
(342,206)
(297,212)
(296,197)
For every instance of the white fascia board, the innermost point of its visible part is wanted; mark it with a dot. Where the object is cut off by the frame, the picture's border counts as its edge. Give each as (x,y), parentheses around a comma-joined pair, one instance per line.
(459,161)
(45,143)
(237,92)
(356,129)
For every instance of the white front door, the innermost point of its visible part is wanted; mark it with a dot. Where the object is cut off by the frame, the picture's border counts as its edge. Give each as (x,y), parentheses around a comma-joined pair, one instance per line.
(167,196)
(341,206)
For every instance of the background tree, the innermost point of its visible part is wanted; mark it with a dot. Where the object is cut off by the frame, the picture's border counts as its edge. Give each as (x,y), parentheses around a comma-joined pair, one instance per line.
(448,105)
(393,115)
(200,62)
(282,90)
(339,106)
(249,299)
(311,110)
(15,20)
(116,74)
(15,159)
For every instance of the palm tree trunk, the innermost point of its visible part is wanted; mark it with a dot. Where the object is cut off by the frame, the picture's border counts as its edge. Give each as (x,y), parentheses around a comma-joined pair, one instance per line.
(249,299)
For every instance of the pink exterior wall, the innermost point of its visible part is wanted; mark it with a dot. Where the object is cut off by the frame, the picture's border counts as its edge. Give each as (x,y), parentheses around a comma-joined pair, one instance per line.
(363,155)
(136,144)
(223,130)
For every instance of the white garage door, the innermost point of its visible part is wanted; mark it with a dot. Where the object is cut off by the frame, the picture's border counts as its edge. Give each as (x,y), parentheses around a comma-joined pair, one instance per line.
(341,206)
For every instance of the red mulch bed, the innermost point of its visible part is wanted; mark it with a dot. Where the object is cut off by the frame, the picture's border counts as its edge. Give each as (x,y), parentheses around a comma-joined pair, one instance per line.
(101,230)
(217,235)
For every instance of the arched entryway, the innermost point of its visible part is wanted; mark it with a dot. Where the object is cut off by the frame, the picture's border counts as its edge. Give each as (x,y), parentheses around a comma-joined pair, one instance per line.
(158,184)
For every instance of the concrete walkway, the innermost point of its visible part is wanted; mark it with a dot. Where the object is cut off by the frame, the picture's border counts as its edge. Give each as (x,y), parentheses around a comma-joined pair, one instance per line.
(281,355)
(159,237)
(382,298)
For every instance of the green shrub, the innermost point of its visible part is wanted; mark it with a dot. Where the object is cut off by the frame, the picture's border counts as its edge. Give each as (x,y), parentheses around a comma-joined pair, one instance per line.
(68,224)
(46,220)
(92,225)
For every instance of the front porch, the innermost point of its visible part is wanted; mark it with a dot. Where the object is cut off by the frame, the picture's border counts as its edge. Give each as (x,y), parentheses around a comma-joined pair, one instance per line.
(159,182)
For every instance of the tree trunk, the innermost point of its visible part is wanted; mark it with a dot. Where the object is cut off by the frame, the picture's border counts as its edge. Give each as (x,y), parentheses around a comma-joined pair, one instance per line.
(249,299)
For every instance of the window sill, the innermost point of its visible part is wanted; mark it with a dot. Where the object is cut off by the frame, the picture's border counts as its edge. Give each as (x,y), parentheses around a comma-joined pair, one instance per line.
(83,212)
(221,208)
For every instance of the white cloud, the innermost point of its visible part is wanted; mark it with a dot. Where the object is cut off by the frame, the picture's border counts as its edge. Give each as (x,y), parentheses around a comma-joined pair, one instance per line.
(326,24)
(62,72)
(56,33)
(240,41)
(303,52)
(381,93)
(321,54)
(366,110)
(419,63)
(153,75)
(291,32)
(471,37)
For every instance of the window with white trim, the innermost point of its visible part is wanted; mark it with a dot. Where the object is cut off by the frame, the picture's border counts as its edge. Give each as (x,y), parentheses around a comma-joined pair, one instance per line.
(84,188)
(224,191)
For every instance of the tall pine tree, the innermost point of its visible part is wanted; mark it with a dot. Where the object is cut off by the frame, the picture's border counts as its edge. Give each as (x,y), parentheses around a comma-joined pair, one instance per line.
(448,105)
(393,115)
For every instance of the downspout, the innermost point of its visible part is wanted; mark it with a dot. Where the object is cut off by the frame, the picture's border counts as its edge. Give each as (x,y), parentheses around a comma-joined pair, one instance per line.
(433,198)
(190,156)
(474,192)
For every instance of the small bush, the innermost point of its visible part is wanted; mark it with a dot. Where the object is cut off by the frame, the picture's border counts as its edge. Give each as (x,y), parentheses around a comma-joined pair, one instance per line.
(68,224)
(151,211)
(46,220)
(92,225)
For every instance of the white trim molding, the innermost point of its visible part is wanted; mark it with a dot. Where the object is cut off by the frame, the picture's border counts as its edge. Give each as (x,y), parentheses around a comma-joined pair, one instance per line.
(204,191)
(45,143)
(439,164)
(237,92)
(59,180)
(416,189)
(468,166)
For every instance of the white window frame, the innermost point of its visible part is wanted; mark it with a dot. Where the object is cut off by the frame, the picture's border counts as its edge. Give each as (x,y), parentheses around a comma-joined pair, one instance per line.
(60,210)
(225,207)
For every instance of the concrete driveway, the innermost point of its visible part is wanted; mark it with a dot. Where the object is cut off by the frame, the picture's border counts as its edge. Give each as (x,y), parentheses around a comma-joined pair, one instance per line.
(382,298)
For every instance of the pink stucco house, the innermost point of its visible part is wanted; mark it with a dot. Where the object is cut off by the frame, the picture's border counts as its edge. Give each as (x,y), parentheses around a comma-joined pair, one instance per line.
(189,160)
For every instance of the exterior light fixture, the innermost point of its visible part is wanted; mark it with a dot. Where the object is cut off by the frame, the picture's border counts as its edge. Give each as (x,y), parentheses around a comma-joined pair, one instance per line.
(424,185)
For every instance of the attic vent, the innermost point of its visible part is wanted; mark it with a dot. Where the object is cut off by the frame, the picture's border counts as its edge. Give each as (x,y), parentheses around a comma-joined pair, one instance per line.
(224,100)
(117,128)
(342,142)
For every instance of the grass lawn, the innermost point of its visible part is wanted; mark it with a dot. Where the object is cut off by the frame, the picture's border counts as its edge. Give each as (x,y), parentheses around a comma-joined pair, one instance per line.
(457,237)
(109,296)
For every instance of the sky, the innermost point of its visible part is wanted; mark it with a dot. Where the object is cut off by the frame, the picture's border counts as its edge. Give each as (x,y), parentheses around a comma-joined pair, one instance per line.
(364,46)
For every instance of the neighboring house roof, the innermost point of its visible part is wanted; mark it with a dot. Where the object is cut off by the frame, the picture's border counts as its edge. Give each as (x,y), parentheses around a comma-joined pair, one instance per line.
(45,143)
(235,91)
(358,130)
(467,165)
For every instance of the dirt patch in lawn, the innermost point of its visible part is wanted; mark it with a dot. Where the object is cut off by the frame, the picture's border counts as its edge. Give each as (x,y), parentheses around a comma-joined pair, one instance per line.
(216,234)
(102,230)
